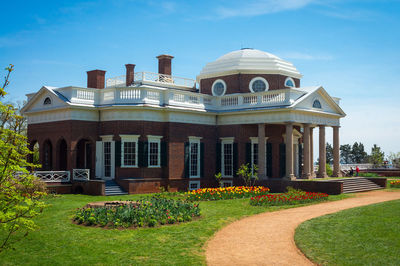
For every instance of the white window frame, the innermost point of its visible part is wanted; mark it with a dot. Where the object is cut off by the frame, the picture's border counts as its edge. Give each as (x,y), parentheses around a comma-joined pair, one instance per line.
(195,140)
(154,139)
(229,140)
(212,87)
(223,182)
(294,83)
(194,182)
(254,80)
(108,138)
(129,138)
(254,140)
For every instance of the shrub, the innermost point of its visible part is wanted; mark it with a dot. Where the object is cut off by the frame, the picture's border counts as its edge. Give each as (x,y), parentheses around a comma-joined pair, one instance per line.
(144,212)
(226,193)
(329,170)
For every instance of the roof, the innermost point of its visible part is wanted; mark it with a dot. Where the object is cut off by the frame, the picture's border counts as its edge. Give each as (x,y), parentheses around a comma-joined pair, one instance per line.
(249,61)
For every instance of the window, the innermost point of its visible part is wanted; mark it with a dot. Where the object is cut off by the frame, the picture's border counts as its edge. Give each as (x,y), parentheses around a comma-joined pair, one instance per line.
(317,104)
(219,87)
(258,84)
(47,101)
(154,151)
(193,185)
(255,152)
(129,150)
(227,157)
(289,82)
(194,157)
(227,183)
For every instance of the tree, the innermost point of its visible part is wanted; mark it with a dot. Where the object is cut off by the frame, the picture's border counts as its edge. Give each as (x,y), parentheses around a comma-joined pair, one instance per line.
(329,153)
(394,158)
(249,177)
(20,192)
(345,154)
(358,154)
(377,156)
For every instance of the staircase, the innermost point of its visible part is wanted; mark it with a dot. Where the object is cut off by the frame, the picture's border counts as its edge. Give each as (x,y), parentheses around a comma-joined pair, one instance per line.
(358,184)
(112,189)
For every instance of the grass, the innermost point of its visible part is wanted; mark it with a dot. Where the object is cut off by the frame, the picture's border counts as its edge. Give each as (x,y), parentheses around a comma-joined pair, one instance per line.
(60,242)
(360,236)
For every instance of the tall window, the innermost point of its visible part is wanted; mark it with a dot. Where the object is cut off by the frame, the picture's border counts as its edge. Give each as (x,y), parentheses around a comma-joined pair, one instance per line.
(227,157)
(129,150)
(255,152)
(154,158)
(194,157)
(107,158)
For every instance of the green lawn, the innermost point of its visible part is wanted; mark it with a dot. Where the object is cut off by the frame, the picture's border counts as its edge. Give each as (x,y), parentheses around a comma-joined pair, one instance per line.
(367,235)
(60,242)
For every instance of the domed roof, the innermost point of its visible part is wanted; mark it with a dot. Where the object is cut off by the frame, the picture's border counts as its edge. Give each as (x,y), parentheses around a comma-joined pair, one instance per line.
(249,61)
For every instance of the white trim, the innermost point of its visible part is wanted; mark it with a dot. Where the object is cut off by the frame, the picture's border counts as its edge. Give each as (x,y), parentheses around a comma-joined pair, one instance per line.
(254,140)
(289,78)
(215,82)
(194,182)
(258,78)
(226,141)
(106,138)
(195,140)
(129,138)
(154,139)
(223,182)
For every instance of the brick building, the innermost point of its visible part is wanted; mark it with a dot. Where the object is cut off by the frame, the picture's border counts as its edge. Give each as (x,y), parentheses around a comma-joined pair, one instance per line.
(146,130)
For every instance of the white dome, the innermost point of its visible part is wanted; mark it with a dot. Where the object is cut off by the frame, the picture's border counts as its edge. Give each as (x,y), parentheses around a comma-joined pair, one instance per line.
(249,61)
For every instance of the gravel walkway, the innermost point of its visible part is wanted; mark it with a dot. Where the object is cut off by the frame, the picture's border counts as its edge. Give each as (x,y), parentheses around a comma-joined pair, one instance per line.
(268,238)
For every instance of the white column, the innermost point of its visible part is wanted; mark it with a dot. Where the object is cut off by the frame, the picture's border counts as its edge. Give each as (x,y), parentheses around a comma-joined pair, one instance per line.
(322,153)
(261,151)
(306,152)
(336,152)
(289,151)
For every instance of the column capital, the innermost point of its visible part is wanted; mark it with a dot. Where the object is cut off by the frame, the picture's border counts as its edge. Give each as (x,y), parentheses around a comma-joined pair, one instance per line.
(336,126)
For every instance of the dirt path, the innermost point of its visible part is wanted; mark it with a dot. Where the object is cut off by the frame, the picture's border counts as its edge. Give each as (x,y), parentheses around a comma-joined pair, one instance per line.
(268,238)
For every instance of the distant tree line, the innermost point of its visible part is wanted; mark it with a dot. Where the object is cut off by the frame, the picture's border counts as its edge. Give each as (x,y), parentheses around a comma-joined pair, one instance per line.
(353,154)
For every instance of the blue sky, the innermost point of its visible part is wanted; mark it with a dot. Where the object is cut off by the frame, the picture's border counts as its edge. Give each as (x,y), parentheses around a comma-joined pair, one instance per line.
(349,47)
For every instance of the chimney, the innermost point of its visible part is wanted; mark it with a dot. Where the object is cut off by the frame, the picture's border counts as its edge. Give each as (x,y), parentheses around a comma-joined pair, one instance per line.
(130,71)
(164,64)
(95,79)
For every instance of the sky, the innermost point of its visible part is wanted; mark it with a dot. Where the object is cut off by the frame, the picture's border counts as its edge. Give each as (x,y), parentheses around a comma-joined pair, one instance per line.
(349,47)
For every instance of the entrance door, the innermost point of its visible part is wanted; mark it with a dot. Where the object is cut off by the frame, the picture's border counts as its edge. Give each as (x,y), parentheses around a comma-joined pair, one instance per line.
(105,160)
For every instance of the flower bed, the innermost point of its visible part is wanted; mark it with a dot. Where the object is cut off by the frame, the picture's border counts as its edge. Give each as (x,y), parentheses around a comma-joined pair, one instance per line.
(145,212)
(292,198)
(226,193)
(395,183)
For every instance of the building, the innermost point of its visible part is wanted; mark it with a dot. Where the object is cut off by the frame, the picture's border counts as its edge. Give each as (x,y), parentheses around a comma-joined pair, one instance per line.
(146,130)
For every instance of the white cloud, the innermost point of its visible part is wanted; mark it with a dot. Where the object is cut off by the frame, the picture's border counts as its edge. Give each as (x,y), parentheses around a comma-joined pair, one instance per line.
(260,7)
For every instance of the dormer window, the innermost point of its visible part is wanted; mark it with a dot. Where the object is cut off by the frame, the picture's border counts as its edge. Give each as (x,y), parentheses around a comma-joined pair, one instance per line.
(219,87)
(317,104)
(47,101)
(258,84)
(289,82)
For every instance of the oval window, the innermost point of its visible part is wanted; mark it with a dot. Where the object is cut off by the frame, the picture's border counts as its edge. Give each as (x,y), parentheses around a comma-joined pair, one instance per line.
(289,82)
(258,84)
(218,87)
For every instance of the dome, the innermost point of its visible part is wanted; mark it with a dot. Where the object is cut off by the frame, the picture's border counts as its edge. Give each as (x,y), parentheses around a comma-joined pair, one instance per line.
(249,61)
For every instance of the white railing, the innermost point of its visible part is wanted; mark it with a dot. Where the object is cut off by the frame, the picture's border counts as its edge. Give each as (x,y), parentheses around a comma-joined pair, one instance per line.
(152,78)
(53,176)
(361,166)
(181,98)
(81,174)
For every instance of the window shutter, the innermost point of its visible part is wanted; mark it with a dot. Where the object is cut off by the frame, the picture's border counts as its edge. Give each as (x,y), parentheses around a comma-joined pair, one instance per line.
(201,159)
(99,159)
(300,159)
(282,159)
(117,153)
(248,153)
(218,159)
(269,159)
(164,154)
(143,153)
(235,158)
(187,159)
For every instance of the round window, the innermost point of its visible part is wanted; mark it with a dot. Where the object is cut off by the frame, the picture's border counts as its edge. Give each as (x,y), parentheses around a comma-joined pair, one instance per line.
(258,84)
(289,82)
(218,87)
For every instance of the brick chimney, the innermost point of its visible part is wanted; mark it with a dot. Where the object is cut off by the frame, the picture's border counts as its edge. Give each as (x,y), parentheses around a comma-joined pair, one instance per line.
(130,71)
(95,79)
(164,64)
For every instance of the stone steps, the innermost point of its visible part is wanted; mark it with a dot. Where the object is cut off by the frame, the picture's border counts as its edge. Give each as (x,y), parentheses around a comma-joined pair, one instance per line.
(352,185)
(113,189)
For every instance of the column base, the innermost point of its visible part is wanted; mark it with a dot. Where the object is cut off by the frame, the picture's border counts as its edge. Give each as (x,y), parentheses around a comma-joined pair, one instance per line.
(322,175)
(290,177)
(337,175)
(307,176)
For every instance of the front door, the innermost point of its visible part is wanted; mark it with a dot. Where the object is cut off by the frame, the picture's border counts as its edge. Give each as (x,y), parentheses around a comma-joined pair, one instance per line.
(105,160)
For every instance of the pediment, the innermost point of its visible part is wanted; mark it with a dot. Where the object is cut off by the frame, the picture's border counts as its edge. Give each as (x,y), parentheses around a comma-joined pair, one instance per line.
(44,99)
